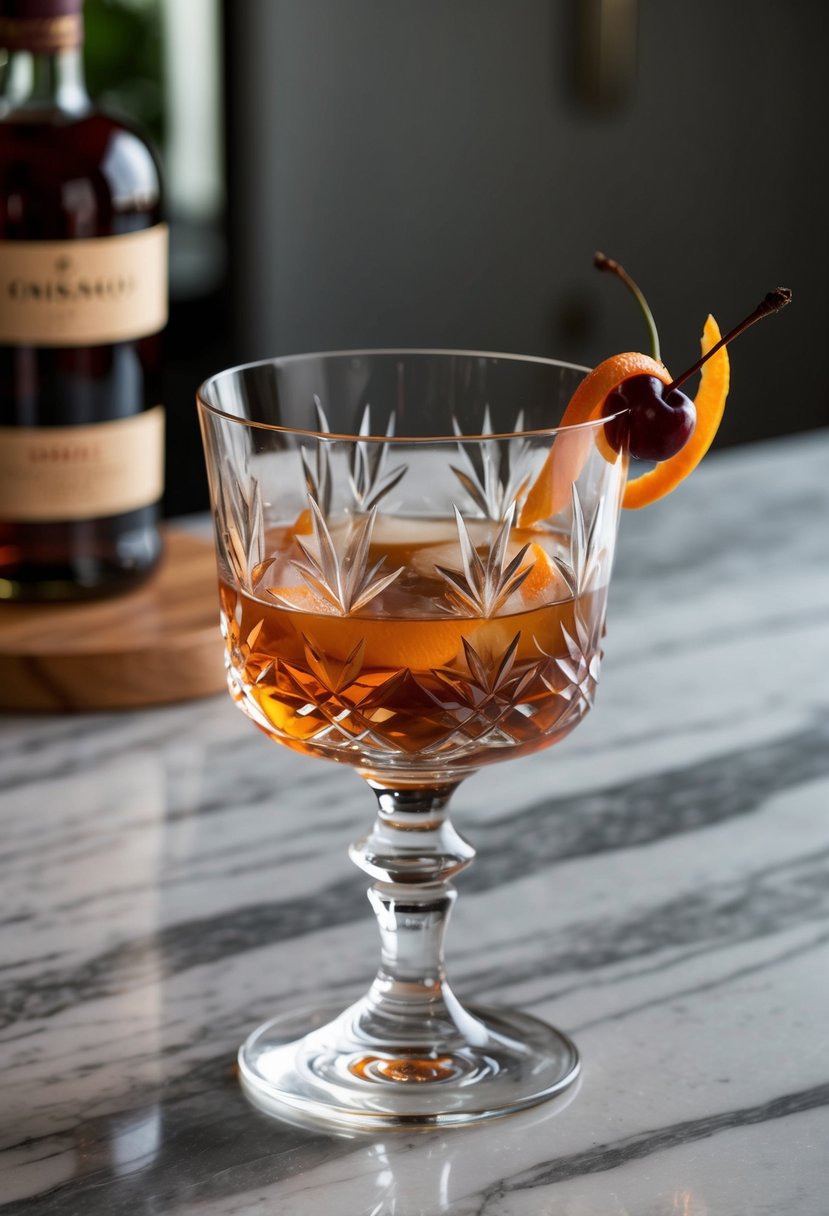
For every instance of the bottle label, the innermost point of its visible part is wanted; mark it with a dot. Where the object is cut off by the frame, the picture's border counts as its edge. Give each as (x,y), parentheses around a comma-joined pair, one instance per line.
(83,293)
(81,472)
(59,28)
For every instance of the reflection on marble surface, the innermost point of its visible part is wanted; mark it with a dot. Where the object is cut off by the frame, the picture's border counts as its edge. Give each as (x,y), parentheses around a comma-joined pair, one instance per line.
(657,885)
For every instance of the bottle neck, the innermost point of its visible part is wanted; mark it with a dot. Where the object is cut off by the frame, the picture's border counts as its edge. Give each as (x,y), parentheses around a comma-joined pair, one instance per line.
(54,81)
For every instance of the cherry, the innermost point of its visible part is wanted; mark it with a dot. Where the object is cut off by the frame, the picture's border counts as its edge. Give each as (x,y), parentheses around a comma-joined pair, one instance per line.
(658,419)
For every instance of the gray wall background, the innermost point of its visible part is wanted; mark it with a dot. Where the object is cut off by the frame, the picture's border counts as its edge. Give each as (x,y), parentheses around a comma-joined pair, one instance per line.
(423,173)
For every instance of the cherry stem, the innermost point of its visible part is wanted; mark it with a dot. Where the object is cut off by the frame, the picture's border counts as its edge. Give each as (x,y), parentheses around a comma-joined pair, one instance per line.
(772,302)
(602,262)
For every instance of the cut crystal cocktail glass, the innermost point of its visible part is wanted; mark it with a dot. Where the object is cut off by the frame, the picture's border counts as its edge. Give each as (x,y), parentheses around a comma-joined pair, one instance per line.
(413,572)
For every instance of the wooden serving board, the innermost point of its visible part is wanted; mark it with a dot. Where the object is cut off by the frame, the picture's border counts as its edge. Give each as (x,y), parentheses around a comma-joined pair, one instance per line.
(155,645)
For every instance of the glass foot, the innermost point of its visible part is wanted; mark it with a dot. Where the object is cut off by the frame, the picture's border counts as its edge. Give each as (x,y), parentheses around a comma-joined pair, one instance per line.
(320,1065)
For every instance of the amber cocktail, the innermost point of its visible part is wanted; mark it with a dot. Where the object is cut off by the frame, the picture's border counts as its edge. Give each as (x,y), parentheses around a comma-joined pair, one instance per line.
(417,675)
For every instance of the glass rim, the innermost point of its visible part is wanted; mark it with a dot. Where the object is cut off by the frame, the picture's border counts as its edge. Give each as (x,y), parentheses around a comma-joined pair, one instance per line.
(347,437)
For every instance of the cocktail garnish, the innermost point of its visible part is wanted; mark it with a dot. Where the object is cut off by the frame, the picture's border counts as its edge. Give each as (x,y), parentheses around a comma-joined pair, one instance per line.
(646,413)
(659,420)
(550,492)
(709,405)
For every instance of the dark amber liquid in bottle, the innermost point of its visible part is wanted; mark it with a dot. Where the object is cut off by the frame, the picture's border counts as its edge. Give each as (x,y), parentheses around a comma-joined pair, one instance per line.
(67,177)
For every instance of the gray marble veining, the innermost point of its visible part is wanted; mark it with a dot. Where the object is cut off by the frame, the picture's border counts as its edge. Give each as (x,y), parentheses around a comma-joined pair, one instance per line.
(658,885)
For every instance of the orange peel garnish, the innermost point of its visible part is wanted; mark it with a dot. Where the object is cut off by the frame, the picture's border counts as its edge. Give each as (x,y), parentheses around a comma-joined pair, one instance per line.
(710,404)
(543,575)
(302,524)
(550,491)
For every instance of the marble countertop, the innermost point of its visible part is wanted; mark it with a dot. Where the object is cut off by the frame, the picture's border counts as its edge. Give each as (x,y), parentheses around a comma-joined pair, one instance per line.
(657,885)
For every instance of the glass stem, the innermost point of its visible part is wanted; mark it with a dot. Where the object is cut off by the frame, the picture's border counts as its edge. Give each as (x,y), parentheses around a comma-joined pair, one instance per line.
(412,851)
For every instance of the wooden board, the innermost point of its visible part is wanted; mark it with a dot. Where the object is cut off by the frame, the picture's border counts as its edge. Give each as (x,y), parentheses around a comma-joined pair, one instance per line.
(155,645)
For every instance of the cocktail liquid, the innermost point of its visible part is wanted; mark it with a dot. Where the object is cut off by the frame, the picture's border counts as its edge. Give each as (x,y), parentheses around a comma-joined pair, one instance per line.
(413,680)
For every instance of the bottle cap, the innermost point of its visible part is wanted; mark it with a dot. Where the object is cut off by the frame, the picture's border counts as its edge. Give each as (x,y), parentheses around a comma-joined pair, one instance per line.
(41,26)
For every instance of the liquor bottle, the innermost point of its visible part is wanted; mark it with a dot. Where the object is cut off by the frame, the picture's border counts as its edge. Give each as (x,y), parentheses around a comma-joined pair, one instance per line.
(83,298)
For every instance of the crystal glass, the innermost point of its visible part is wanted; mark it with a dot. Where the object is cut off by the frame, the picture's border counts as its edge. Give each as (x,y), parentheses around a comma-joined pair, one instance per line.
(413,570)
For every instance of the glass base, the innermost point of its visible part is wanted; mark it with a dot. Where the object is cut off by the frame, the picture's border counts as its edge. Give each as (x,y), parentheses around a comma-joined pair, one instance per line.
(317,1064)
